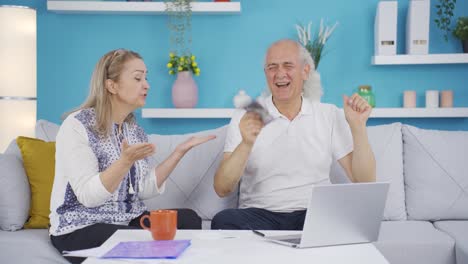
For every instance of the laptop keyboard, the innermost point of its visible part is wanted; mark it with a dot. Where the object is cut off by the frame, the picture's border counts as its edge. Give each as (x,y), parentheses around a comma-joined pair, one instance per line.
(292,240)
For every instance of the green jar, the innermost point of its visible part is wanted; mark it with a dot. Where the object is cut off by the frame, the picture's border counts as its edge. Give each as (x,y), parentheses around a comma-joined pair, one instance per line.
(365,91)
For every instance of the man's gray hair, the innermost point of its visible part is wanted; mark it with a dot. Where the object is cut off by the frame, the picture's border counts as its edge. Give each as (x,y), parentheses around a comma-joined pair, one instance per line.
(312,86)
(312,89)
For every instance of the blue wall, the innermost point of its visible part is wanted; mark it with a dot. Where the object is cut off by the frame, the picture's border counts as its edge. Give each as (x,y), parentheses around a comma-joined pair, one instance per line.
(230,51)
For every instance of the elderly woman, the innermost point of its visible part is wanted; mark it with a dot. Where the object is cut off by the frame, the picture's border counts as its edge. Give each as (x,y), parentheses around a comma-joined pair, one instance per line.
(102,171)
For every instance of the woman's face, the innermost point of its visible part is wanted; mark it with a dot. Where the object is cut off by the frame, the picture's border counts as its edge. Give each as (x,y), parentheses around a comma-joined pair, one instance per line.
(132,87)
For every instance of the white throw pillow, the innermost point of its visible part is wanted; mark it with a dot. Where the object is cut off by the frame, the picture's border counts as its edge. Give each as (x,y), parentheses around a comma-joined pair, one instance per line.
(386,143)
(14,150)
(46,130)
(436,173)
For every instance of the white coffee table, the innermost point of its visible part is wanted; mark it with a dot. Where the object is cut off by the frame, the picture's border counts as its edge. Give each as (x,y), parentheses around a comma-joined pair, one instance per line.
(243,247)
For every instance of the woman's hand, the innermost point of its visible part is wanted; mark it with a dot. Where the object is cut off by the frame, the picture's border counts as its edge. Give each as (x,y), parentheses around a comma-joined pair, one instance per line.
(132,153)
(113,175)
(185,146)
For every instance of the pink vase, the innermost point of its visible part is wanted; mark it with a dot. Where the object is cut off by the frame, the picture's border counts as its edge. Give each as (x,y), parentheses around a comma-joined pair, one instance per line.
(184,91)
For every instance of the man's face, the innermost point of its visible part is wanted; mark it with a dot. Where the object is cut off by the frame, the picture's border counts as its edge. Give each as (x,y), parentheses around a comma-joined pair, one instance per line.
(284,71)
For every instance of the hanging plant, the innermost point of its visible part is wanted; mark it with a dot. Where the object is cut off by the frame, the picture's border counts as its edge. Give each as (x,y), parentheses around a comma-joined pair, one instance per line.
(180,27)
(445,13)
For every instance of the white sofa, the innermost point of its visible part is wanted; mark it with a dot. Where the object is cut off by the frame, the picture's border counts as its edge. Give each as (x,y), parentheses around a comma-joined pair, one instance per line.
(426,215)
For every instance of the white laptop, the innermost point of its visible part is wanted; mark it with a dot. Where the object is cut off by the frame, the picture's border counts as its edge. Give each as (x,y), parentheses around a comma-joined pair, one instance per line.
(340,214)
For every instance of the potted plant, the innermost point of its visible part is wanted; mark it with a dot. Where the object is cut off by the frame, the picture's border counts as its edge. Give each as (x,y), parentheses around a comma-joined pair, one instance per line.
(181,60)
(461,32)
(178,64)
(445,10)
(315,43)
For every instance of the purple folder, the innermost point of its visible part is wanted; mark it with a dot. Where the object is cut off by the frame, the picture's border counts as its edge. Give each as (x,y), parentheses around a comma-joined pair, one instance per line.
(164,249)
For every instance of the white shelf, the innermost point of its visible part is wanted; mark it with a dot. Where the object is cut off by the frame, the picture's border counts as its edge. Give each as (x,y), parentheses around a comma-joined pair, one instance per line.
(460,112)
(143,8)
(421,59)
(187,112)
(420,112)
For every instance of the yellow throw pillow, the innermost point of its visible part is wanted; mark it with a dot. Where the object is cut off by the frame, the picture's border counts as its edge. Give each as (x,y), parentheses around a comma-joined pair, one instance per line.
(39,164)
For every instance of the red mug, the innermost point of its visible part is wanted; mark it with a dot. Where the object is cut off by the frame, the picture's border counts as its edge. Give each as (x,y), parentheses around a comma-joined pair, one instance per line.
(163,224)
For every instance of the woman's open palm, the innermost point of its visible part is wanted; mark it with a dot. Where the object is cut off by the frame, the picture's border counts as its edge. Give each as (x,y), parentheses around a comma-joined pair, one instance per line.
(192,142)
(135,152)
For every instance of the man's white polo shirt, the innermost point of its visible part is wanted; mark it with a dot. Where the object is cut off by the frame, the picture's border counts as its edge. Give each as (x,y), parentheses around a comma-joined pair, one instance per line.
(289,157)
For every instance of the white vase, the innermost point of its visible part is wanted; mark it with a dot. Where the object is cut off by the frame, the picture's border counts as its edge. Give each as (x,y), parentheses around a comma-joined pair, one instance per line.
(241,99)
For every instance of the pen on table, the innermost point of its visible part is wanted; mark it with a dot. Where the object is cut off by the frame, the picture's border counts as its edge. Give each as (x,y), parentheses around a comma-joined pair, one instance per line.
(258,233)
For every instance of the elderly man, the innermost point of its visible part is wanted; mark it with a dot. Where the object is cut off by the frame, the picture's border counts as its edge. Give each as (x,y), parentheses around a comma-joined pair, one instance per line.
(278,163)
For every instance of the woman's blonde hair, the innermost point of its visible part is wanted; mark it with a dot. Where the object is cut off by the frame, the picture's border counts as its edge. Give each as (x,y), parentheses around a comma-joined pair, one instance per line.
(110,66)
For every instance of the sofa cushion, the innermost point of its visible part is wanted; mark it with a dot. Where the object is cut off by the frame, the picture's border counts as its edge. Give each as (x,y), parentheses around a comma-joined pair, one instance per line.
(39,164)
(28,246)
(436,182)
(458,230)
(386,143)
(193,191)
(14,193)
(409,242)
(46,130)
(191,183)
